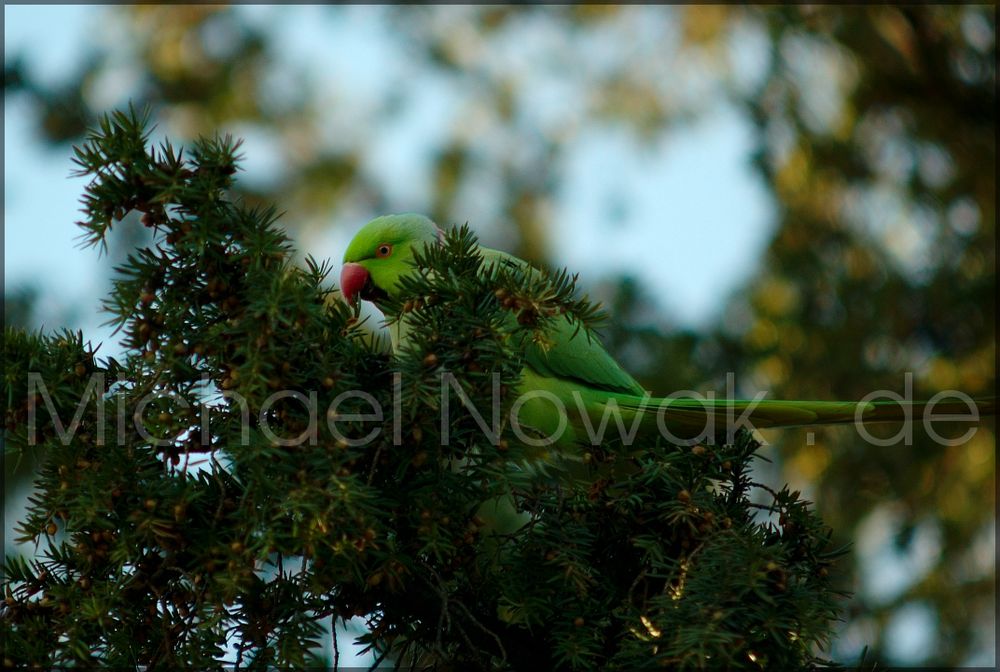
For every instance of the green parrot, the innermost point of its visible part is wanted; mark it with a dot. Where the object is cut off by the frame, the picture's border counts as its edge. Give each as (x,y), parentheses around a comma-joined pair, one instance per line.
(589,385)
(589,388)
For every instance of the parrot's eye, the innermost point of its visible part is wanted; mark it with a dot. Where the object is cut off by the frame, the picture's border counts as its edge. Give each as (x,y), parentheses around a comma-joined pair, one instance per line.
(383,250)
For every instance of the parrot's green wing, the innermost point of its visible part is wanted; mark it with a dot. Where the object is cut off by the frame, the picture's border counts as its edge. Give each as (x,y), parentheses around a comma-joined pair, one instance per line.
(571,354)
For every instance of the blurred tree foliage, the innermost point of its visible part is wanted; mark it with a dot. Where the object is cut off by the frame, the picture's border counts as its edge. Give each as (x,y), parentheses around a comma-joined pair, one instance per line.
(875,130)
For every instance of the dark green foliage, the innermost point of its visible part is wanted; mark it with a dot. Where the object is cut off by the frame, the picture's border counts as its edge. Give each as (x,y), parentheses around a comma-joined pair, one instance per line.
(256,530)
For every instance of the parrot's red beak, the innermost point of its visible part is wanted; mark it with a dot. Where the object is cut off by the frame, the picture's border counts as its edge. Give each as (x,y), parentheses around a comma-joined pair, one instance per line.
(353,278)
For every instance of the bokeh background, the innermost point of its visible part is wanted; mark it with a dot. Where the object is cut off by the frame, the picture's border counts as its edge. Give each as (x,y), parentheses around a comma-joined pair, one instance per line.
(803,196)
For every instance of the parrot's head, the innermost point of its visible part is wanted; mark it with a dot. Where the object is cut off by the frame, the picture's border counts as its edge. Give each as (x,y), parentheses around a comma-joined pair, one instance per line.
(380,254)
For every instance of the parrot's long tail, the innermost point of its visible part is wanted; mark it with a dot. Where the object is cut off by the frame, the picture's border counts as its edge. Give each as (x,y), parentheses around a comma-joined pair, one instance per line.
(686,415)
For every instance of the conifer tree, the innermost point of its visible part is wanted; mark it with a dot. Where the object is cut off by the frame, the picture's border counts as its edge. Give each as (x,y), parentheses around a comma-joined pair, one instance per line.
(259,466)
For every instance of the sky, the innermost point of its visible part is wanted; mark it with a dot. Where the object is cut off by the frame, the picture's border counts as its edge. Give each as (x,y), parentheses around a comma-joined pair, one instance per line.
(686,215)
